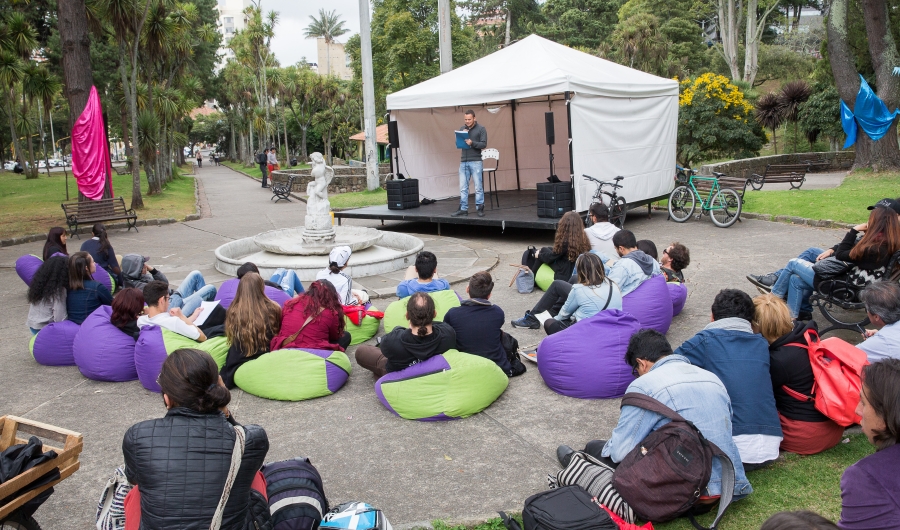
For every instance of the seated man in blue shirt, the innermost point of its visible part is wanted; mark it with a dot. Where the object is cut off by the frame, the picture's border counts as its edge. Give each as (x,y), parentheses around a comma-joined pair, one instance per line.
(634,266)
(477,322)
(697,395)
(882,301)
(422,277)
(729,348)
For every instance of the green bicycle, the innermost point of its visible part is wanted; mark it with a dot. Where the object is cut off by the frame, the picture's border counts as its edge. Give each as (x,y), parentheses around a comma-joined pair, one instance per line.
(723,204)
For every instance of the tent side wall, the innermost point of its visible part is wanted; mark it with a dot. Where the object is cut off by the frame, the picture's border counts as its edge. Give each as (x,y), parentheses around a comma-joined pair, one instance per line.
(632,137)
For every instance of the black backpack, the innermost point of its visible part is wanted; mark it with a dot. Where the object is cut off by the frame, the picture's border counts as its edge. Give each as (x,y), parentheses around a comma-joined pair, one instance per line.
(664,475)
(260,158)
(565,508)
(296,495)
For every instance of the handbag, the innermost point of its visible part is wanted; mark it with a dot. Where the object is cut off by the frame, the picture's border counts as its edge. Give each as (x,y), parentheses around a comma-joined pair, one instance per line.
(111,508)
(831,267)
(524,279)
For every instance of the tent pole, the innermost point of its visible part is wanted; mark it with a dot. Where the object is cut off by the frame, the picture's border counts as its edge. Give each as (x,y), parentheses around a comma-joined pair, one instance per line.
(571,157)
(512,104)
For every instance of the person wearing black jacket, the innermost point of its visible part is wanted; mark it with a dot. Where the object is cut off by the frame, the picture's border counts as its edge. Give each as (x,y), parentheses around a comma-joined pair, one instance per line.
(404,347)
(806,430)
(180,462)
(477,322)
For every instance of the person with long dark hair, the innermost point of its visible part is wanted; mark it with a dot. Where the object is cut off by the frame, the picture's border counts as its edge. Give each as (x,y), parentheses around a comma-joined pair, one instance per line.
(251,322)
(314,319)
(869,494)
(47,294)
(569,243)
(403,347)
(180,463)
(85,294)
(101,250)
(127,306)
(56,243)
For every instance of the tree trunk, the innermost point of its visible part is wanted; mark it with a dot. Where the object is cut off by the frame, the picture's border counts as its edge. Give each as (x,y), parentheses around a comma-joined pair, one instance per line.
(20,157)
(137,201)
(76,55)
(287,148)
(729,17)
(843,68)
(883,49)
(231,150)
(304,153)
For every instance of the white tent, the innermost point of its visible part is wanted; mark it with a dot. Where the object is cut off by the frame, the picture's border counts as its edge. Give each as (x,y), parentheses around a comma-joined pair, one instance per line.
(619,121)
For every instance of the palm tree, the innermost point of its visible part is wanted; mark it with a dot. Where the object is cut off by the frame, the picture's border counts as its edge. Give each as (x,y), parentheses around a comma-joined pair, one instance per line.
(792,95)
(769,115)
(328,26)
(17,40)
(42,86)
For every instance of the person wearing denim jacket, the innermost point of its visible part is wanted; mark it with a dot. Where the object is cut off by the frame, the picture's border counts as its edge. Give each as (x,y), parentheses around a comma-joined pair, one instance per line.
(696,394)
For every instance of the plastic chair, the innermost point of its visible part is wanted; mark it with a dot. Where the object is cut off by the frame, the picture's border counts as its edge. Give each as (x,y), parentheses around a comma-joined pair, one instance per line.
(491,154)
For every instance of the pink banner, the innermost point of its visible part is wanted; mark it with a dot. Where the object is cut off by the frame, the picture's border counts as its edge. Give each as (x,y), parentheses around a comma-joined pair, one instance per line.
(90,150)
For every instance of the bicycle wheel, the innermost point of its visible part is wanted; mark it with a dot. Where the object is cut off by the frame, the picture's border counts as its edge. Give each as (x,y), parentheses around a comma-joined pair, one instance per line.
(681,204)
(617,212)
(725,208)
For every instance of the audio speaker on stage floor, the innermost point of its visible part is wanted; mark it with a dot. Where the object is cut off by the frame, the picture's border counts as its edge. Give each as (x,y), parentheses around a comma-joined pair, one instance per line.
(548,124)
(393,137)
(402,194)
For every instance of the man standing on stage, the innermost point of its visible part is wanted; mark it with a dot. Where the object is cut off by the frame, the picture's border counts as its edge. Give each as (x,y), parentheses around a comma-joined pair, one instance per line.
(471,165)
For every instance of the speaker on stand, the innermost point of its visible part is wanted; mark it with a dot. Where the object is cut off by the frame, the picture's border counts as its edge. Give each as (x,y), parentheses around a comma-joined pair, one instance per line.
(394,143)
(551,139)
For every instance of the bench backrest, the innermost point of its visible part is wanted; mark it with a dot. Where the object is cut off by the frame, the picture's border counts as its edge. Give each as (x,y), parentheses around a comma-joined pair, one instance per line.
(92,209)
(774,170)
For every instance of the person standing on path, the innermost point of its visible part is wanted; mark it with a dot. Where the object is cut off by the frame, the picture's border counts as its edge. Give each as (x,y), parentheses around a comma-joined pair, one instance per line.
(470,165)
(261,160)
(199,159)
(272,160)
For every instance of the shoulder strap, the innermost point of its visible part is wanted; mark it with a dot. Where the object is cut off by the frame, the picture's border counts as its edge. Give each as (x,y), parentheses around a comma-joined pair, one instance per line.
(646,402)
(609,296)
(291,338)
(727,488)
(236,455)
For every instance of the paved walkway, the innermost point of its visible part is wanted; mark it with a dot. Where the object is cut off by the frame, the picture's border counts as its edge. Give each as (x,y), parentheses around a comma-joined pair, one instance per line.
(460,470)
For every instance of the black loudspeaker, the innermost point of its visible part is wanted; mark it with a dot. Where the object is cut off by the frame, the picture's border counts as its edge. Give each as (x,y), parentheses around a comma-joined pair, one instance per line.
(548,124)
(393,137)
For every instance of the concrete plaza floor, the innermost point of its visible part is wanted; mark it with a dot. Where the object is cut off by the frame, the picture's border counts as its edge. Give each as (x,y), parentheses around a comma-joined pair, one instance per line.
(460,470)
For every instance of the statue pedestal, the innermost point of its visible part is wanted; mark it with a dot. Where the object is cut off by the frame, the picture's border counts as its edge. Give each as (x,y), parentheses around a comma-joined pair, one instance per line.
(318,230)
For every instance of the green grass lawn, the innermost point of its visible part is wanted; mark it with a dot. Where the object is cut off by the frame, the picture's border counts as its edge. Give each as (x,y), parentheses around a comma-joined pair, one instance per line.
(796,483)
(33,206)
(846,203)
(358,199)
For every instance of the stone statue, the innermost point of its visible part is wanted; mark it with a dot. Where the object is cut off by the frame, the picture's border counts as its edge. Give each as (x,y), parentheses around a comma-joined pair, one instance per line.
(318,229)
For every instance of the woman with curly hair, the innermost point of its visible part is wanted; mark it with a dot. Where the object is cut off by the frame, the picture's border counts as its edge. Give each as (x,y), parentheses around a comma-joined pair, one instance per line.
(127,306)
(250,323)
(569,243)
(56,242)
(47,294)
(314,319)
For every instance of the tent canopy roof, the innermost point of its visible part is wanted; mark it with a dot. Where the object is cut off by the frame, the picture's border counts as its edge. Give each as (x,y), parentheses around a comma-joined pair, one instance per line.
(531,67)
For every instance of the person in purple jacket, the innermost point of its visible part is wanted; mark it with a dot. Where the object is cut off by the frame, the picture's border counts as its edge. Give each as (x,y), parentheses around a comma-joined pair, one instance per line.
(870,488)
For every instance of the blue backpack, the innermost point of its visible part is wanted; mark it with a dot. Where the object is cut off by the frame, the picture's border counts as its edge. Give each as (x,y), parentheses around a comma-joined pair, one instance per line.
(296,495)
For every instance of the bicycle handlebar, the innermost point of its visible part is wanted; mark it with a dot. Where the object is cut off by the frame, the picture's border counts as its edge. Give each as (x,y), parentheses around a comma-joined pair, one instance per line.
(602,183)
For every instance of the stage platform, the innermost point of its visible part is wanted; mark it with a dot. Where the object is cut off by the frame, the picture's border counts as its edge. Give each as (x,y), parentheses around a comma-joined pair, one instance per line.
(517,209)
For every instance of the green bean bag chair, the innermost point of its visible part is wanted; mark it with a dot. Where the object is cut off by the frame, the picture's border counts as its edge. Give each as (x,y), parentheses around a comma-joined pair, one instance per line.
(446,387)
(294,374)
(366,329)
(395,314)
(544,277)
(155,344)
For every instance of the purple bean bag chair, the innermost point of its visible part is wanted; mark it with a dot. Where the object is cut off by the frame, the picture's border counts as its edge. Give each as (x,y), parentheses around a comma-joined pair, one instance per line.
(27,266)
(225,293)
(102,351)
(587,360)
(104,278)
(53,344)
(651,304)
(679,293)
(155,344)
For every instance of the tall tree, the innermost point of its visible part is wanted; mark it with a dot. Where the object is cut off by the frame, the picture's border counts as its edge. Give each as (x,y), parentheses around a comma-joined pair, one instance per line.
(580,23)
(328,26)
(76,55)
(883,49)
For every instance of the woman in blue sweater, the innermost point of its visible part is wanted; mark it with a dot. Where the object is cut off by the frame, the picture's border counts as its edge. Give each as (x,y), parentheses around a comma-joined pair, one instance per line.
(85,295)
(593,293)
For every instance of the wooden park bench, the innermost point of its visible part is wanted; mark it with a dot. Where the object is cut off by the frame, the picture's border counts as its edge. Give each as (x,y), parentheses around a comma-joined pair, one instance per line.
(283,190)
(738,184)
(90,212)
(817,163)
(793,174)
(121,170)
(67,444)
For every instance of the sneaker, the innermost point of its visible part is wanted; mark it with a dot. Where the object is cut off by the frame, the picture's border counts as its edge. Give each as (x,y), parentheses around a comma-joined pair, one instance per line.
(805,316)
(564,455)
(480,210)
(764,282)
(459,213)
(528,321)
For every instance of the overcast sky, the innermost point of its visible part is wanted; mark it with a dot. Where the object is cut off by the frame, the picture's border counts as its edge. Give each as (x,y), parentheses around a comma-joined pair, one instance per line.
(289,45)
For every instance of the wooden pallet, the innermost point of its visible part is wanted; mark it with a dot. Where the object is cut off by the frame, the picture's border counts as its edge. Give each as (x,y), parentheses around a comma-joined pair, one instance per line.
(15,430)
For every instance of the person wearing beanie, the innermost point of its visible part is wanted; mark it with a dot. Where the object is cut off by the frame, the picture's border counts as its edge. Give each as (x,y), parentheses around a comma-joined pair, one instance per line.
(340,279)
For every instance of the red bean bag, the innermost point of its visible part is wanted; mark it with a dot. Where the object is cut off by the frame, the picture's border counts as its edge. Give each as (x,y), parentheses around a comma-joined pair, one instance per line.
(651,304)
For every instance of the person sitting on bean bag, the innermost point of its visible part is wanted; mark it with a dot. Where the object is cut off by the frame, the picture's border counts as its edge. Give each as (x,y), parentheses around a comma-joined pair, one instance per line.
(314,319)
(806,430)
(882,301)
(56,243)
(404,347)
(101,250)
(251,267)
(342,282)
(600,233)
(85,294)
(648,247)
(251,323)
(158,313)
(422,277)
(634,266)
(192,292)
(569,242)
(179,463)
(47,294)
(127,307)
(729,348)
(477,322)
(674,259)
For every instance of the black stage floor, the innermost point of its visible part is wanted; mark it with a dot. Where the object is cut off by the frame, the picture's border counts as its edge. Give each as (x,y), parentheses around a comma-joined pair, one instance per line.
(517,209)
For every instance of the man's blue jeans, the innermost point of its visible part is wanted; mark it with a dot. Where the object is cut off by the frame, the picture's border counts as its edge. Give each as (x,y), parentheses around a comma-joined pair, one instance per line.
(809,255)
(795,281)
(288,281)
(192,291)
(473,170)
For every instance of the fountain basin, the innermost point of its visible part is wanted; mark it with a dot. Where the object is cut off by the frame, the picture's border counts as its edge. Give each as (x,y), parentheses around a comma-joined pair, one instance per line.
(290,240)
(392,252)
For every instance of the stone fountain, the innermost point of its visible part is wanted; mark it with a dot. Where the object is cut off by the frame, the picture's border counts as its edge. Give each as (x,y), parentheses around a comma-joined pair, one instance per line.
(305,249)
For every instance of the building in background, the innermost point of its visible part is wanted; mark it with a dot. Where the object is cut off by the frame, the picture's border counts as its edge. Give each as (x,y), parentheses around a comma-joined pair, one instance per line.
(333,60)
(231,20)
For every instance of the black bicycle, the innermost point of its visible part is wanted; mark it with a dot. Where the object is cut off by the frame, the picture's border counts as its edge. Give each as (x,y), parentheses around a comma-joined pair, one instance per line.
(616,202)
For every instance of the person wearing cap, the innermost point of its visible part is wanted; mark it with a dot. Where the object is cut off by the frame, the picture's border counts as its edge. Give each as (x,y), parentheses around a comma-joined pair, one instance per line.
(137,272)
(341,280)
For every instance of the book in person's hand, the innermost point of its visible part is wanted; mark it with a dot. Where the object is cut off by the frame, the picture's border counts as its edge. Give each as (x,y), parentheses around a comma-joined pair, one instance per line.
(461,137)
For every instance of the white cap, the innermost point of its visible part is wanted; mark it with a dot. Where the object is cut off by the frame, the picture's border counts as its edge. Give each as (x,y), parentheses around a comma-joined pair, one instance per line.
(339,255)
